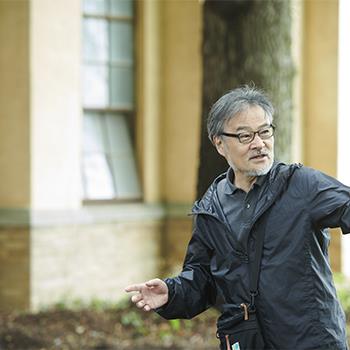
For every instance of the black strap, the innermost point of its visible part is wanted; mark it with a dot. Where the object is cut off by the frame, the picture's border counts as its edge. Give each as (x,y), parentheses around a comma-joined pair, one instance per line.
(254,264)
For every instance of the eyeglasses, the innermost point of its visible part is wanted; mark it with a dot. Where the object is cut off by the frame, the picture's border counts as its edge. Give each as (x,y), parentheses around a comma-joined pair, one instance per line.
(248,136)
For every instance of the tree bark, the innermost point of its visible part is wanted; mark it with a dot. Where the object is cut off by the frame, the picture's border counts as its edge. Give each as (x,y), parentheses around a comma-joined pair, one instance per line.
(244,42)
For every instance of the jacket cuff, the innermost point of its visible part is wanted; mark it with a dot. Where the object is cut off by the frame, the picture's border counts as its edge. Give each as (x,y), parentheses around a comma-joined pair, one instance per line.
(171,295)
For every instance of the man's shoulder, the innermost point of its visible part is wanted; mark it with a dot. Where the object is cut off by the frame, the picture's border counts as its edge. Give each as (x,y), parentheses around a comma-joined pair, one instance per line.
(215,186)
(208,201)
(311,174)
(280,172)
(310,179)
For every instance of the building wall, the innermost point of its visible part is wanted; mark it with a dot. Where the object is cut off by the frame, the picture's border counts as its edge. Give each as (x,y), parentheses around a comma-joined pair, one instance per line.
(182,98)
(320,71)
(181,101)
(14,268)
(320,84)
(343,114)
(15,104)
(95,261)
(55,104)
(169,98)
(54,248)
(169,110)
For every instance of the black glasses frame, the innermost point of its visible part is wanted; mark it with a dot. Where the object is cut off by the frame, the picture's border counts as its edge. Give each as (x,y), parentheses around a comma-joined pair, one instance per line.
(252,133)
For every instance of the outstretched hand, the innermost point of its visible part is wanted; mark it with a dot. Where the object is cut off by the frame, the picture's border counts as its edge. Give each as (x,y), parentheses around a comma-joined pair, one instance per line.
(150,295)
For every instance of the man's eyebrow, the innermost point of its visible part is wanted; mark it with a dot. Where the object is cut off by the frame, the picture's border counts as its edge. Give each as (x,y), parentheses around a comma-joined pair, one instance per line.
(245,128)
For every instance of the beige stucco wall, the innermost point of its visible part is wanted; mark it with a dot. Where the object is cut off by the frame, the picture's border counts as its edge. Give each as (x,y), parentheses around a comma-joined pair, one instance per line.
(169,71)
(53,248)
(320,68)
(176,237)
(320,84)
(182,98)
(41,105)
(14,268)
(15,104)
(63,264)
(55,61)
(91,262)
(297,54)
(169,98)
(148,96)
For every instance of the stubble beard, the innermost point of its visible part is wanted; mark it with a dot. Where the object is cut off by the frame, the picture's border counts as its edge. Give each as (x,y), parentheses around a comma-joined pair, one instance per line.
(256,172)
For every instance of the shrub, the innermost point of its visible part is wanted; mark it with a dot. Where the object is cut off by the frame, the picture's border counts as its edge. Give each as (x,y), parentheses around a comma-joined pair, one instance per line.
(343,289)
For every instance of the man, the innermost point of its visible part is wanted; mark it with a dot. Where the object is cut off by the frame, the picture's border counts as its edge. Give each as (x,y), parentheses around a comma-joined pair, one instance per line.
(296,306)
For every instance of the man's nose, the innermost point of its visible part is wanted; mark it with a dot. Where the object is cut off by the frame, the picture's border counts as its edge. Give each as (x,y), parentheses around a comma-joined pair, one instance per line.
(257,142)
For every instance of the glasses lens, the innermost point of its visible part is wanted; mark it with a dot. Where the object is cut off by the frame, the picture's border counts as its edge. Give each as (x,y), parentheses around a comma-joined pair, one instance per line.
(246,137)
(266,133)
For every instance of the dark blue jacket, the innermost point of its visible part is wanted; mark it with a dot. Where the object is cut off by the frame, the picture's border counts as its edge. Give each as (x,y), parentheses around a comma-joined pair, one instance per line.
(297,304)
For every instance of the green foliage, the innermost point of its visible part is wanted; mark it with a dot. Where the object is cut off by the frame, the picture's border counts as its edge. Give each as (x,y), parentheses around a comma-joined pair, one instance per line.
(132,318)
(343,291)
(99,305)
(76,304)
(124,304)
(175,325)
(60,305)
(188,324)
(137,323)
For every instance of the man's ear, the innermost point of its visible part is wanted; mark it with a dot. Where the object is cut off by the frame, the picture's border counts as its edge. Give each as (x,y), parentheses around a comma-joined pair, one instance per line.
(219,145)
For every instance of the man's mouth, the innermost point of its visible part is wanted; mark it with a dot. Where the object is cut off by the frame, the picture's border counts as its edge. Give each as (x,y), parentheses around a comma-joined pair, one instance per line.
(259,156)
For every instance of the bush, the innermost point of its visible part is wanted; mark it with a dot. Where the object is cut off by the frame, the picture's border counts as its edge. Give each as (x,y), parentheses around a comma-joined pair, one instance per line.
(343,289)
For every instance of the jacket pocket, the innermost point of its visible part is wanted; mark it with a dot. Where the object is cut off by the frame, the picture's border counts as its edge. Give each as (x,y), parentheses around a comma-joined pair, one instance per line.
(238,333)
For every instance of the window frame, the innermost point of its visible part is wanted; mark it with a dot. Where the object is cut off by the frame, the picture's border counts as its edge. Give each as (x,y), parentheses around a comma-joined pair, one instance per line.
(128,111)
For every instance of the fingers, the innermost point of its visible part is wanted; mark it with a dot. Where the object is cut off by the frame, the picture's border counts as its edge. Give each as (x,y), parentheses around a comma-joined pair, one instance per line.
(136,298)
(142,305)
(134,288)
(138,287)
(153,283)
(148,294)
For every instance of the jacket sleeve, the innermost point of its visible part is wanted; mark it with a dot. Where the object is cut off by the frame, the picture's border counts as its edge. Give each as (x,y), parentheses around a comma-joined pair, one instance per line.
(329,201)
(193,290)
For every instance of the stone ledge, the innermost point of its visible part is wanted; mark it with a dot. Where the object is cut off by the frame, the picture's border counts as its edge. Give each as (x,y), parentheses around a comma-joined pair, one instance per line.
(91,214)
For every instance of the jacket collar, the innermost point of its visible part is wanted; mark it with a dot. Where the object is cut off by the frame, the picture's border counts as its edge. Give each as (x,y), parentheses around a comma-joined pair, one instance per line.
(230,187)
(209,203)
(277,180)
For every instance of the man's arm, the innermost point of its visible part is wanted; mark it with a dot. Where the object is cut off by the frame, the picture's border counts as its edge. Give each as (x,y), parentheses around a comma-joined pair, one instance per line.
(329,201)
(186,295)
(193,290)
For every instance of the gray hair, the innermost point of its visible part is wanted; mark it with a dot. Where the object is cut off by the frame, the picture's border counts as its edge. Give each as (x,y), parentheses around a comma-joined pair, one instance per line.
(235,102)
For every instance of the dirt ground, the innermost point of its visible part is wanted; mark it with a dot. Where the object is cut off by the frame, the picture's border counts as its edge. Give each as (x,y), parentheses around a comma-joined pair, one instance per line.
(102,329)
(113,328)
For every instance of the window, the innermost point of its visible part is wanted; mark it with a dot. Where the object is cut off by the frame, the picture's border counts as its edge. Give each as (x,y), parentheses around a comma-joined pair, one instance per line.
(108,160)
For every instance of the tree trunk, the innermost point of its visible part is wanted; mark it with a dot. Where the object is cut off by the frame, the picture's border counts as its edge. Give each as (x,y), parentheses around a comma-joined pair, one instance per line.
(246,41)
